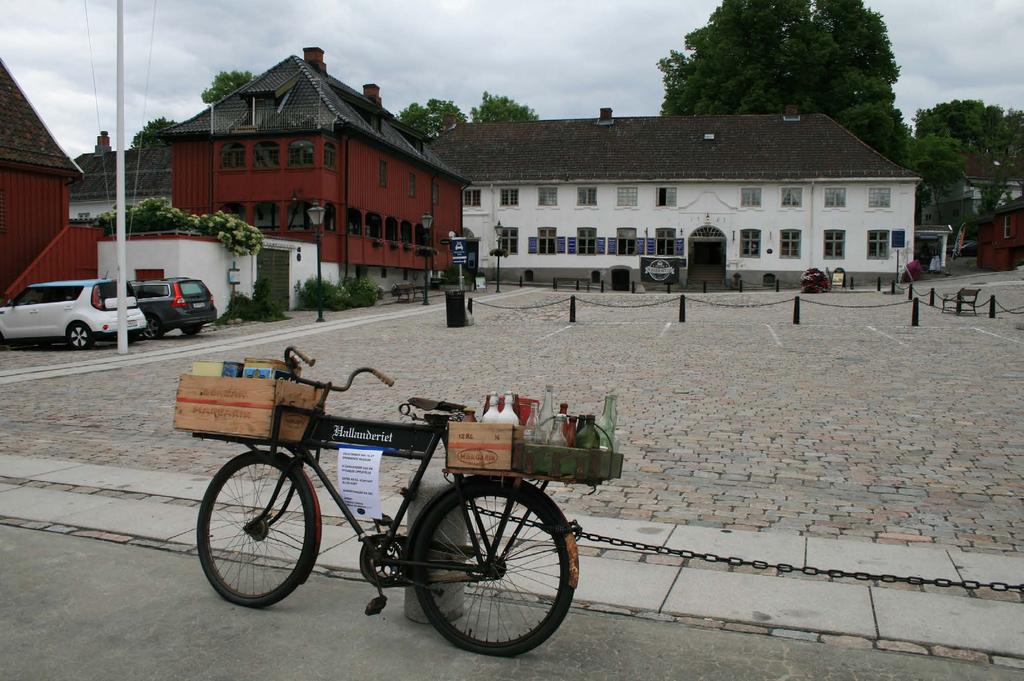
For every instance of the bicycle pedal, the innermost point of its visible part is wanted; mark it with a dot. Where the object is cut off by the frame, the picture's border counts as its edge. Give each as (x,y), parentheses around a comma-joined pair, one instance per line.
(377,604)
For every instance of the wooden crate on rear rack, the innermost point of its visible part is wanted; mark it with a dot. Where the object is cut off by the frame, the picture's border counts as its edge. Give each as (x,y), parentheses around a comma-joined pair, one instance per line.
(482,446)
(241,406)
(568,464)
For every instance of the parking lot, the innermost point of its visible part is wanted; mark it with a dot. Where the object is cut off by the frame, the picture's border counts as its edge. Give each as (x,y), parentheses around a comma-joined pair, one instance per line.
(852,424)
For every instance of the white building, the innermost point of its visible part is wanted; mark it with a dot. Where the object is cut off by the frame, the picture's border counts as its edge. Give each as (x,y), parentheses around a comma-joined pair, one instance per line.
(762,197)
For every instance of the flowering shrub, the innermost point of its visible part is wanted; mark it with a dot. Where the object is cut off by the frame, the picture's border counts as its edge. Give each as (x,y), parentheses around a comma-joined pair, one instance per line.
(813,281)
(236,234)
(149,215)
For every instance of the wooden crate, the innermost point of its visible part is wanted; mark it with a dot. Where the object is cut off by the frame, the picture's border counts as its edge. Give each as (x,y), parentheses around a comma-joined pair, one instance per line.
(568,463)
(482,446)
(241,406)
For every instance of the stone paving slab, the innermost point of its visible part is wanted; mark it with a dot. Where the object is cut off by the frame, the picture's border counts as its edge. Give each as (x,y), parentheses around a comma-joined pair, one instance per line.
(343,554)
(773,601)
(958,622)
(880,558)
(140,518)
(634,530)
(31,503)
(772,547)
(4,487)
(989,568)
(624,583)
(14,466)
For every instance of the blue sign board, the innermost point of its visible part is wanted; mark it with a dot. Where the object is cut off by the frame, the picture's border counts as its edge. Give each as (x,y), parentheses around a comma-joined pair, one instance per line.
(458,248)
(899,238)
(680,246)
(600,245)
(572,245)
(559,244)
(531,244)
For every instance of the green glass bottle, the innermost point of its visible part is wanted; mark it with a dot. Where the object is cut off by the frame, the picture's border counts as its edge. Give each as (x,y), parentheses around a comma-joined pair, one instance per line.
(606,430)
(586,433)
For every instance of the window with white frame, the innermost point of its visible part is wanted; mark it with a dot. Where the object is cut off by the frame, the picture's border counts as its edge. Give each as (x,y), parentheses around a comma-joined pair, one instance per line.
(547,196)
(626,196)
(471,197)
(546,240)
(789,243)
(878,244)
(586,241)
(835,243)
(509,197)
(586,196)
(666,196)
(625,243)
(750,197)
(665,241)
(879,197)
(792,197)
(509,240)
(1007,227)
(750,243)
(835,197)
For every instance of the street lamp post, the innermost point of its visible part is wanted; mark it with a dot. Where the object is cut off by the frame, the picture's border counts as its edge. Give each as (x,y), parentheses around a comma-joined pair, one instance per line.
(428,220)
(316,217)
(497,277)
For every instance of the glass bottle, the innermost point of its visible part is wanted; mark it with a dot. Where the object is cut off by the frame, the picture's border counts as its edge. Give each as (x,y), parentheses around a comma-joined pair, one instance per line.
(557,435)
(491,410)
(530,427)
(606,432)
(507,414)
(586,433)
(545,419)
(469,416)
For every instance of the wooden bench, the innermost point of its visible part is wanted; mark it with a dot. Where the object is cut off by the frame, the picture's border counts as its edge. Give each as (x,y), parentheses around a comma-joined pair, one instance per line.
(965,298)
(404,289)
(570,280)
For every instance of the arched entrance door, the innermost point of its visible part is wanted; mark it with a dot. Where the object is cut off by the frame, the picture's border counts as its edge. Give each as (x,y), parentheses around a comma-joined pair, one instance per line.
(707,257)
(620,279)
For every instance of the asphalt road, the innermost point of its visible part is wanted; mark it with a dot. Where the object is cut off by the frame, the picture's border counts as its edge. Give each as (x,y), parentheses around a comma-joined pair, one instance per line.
(75,608)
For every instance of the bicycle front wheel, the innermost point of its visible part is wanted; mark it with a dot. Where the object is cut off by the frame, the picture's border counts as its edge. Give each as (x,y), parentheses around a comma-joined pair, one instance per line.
(251,554)
(508,578)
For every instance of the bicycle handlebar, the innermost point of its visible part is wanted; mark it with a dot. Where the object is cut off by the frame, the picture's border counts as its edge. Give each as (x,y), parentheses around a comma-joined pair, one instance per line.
(383,378)
(292,350)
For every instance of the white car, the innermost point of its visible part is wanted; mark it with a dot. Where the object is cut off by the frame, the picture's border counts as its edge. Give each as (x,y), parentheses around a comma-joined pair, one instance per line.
(78,313)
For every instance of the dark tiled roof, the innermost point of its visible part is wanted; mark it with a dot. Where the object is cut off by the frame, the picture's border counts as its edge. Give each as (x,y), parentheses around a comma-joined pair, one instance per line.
(763,147)
(147,175)
(984,167)
(315,101)
(23,136)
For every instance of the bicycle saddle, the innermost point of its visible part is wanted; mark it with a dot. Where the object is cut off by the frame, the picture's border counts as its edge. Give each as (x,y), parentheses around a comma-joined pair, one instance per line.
(434,405)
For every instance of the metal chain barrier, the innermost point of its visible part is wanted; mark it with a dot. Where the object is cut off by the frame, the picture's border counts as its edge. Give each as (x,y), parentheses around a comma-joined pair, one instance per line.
(809,301)
(528,307)
(1016,310)
(784,568)
(713,304)
(660,302)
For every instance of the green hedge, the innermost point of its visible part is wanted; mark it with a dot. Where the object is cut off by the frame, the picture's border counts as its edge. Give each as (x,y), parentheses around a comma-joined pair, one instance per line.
(338,295)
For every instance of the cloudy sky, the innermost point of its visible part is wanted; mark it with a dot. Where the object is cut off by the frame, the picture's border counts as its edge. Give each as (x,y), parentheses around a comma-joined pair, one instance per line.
(565,59)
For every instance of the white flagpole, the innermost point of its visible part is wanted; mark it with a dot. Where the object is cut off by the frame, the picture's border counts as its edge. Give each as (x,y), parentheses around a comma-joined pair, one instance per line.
(122,256)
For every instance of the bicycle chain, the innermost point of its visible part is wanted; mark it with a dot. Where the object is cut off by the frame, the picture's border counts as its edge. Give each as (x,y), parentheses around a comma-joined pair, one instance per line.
(576,530)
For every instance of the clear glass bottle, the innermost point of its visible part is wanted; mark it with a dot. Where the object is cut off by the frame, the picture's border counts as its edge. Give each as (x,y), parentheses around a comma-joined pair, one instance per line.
(557,435)
(545,419)
(530,427)
(606,431)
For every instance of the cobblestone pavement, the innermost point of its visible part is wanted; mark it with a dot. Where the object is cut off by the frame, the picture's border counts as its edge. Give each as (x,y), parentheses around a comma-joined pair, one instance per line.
(852,424)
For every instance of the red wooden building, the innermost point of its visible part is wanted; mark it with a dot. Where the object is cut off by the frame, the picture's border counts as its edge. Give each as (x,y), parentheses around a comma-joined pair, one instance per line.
(1001,237)
(295,135)
(36,242)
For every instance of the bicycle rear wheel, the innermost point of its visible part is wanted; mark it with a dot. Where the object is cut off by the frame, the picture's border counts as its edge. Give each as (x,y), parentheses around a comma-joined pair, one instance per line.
(251,558)
(515,602)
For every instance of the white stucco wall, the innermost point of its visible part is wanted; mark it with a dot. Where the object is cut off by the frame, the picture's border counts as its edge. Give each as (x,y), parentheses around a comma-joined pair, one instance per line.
(699,203)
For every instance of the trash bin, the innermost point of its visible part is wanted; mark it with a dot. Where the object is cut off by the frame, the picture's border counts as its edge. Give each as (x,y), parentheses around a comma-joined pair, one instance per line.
(455,307)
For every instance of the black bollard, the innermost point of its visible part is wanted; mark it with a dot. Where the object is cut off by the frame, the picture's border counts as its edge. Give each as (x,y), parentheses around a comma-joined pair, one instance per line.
(776,285)
(577,284)
(705,286)
(892,287)
(554,284)
(668,288)
(959,303)
(572,309)
(682,309)
(992,307)
(741,286)
(602,286)
(632,286)
(914,314)
(879,284)
(931,297)
(469,306)
(910,291)
(520,281)
(796,309)
(851,282)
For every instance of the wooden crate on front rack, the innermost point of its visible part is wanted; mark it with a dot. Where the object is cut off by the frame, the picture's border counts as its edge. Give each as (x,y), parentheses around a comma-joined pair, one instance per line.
(568,464)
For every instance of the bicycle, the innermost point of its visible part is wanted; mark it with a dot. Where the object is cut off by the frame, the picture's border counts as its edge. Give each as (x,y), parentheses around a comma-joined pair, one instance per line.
(493,559)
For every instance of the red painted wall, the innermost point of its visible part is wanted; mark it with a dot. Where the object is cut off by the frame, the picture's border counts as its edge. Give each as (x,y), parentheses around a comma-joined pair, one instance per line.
(35,207)
(996,250)
(70,255)
(190,176)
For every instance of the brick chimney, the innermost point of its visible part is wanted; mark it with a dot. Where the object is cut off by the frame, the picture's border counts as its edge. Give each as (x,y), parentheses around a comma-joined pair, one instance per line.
(606,116)
(791,113)
(448,123)
(372,92)
(102,143)
(314,56)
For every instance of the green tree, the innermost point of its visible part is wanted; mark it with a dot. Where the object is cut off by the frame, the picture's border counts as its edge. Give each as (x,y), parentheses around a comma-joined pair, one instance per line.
(429,119)
(498,108)
(940,163)
(148,137)
(757,56)
(224,83)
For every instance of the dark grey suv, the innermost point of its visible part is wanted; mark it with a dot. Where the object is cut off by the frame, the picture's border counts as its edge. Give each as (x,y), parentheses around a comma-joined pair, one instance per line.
(177,303)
